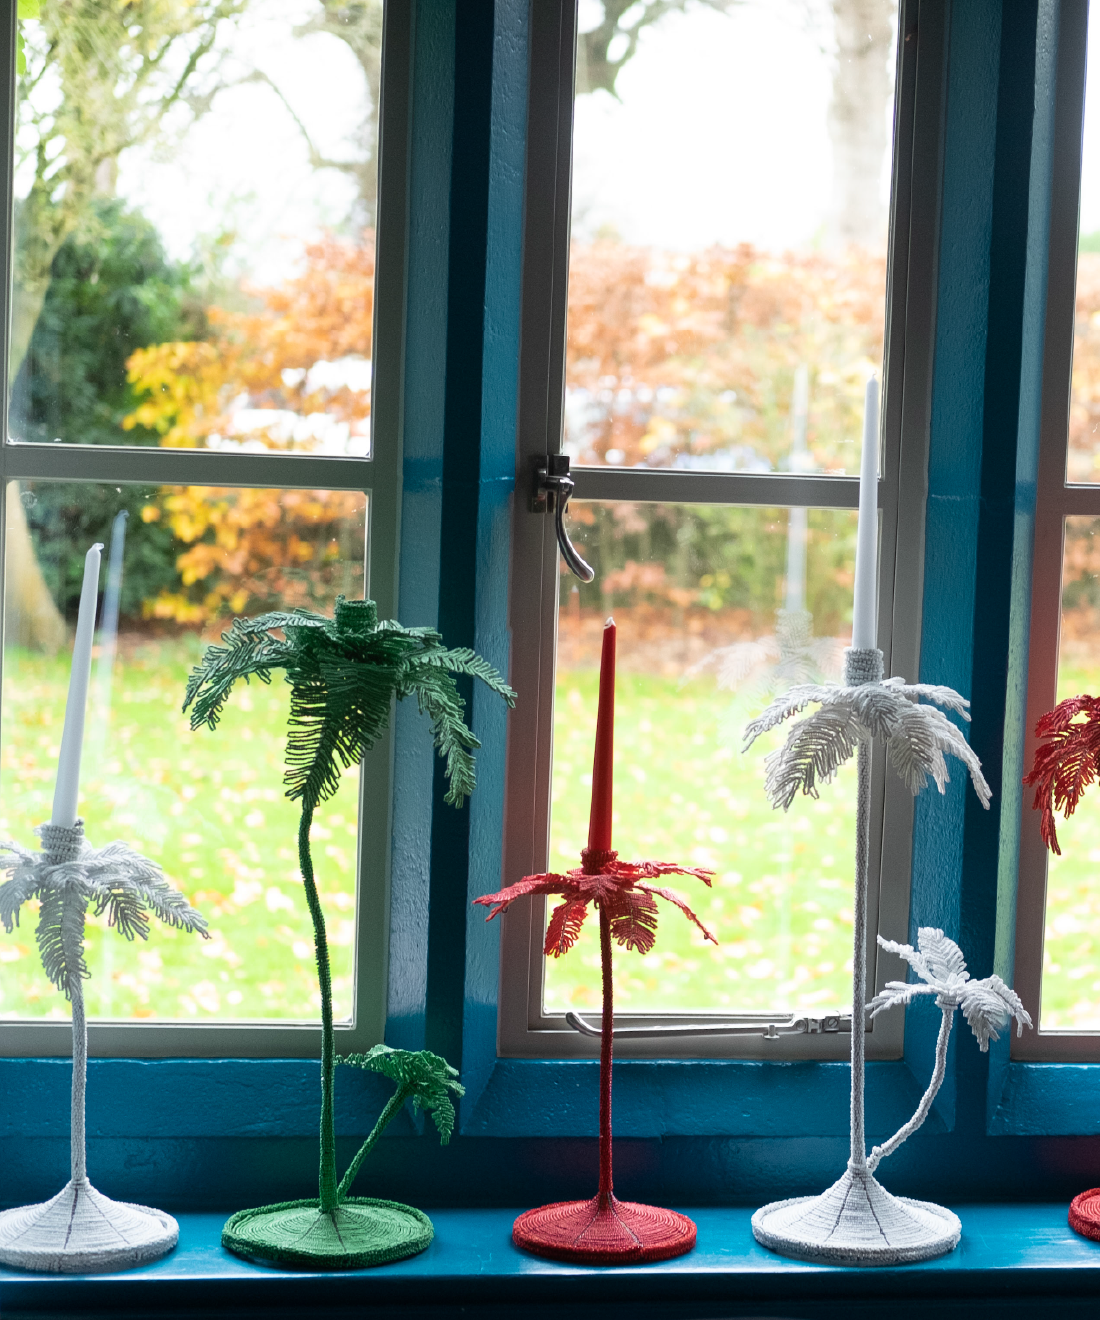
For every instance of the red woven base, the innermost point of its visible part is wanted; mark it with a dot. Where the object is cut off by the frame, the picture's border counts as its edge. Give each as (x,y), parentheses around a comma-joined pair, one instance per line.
(1084,1214)
(614,1233)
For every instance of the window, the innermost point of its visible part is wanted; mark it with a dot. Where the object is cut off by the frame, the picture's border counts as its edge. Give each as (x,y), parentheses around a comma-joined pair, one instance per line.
(190,383)
(712,317)
(1058,925)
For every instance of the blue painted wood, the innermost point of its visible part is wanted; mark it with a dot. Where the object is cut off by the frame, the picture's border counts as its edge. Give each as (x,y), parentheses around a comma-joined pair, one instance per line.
(1024,1251)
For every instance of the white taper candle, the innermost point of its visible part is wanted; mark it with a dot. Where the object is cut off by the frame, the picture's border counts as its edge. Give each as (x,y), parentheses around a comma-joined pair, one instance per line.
(864,622)
(72,736)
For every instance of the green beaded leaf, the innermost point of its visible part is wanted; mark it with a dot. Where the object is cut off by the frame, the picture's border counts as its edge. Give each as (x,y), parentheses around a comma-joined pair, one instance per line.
(425,1078)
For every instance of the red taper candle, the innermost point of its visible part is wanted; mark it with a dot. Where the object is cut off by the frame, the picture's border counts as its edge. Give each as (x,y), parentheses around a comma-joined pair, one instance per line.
(599,819)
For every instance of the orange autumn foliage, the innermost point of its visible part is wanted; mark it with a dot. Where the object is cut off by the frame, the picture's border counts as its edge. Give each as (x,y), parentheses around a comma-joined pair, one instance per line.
(274,379)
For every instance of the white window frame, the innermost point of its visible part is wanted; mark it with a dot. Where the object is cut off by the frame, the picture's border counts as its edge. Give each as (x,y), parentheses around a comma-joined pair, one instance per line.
(377,476)
(524,1029)
(1055,500)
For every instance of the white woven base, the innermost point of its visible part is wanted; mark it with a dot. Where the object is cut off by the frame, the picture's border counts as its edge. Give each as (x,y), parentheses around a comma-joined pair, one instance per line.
(81,1231)
(857,1222)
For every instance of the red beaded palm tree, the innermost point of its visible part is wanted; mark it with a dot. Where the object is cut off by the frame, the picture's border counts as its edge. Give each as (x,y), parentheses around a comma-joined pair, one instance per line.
(1064,766)
(604,1230)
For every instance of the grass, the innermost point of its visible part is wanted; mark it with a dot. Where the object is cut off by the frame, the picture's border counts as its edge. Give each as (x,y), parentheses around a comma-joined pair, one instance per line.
(209,807)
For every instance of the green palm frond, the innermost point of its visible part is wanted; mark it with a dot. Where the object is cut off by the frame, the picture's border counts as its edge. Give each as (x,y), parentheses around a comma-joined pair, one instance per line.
(344,674)
(425,1078)
(248,652)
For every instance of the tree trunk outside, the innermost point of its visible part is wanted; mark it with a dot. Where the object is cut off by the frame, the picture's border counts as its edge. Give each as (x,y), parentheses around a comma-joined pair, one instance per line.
(859,125)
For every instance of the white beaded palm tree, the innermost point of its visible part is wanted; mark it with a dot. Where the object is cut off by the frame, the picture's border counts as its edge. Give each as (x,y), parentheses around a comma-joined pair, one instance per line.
(856,1221)
(80,1229)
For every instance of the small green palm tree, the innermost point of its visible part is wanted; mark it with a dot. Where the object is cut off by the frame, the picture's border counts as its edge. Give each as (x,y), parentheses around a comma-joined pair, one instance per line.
(344,674)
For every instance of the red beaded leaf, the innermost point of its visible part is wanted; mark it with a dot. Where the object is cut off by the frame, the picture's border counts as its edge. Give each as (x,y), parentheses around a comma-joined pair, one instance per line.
(1067,764)
(620,886)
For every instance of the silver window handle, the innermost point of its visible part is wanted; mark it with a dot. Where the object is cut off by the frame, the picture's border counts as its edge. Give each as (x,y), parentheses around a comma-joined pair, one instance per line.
(803,1025)
(553,487)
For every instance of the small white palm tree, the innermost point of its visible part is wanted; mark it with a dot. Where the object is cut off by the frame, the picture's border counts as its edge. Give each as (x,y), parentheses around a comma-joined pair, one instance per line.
(856,1221)
(988,1005)
(81,1228)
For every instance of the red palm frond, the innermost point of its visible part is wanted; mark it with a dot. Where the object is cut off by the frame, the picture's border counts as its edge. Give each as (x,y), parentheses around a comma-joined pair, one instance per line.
(618,886)
(633,916)
(548,883)
(565,925)
(1066,765)
(675,898)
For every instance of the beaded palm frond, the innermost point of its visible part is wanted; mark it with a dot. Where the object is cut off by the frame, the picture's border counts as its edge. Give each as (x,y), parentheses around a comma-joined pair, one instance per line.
(987,1005)
(1067,764)
(114,880)
(343,674)
(916,735)
(421,1076)
(622,888)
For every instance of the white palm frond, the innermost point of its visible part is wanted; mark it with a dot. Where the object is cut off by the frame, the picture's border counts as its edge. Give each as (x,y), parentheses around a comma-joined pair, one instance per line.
(114,879)
(990,1004)
(987,1004)
(916,736)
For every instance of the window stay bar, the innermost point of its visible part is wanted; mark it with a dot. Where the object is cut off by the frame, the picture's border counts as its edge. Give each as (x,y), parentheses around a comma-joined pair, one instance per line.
(801,1025)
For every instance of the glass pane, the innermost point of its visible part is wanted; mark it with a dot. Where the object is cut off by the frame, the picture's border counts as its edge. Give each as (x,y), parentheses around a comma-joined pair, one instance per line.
(718,609)
(194,225)
(209,807)
(1083,460)
(728,263)
(1071,947)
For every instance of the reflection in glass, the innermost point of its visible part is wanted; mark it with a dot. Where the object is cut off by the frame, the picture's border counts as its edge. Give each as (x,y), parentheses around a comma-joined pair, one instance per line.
(195,190)
(179,562)
(1071,945)
(711,623)
(728,262)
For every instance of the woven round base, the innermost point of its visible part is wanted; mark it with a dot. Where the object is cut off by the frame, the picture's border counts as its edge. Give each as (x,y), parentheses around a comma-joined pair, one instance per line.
(360,1232)
(81,1231)
(1084,1214)
(857,1222)
(611,1233)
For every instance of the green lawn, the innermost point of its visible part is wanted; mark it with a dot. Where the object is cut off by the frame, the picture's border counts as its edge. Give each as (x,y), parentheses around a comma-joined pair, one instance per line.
(210,808)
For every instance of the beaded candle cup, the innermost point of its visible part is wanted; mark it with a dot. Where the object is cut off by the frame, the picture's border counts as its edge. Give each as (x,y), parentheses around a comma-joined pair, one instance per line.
(604,1230)
(80,1230)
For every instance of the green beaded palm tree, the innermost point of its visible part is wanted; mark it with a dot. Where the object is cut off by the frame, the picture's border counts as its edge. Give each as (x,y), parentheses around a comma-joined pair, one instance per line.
(344,674)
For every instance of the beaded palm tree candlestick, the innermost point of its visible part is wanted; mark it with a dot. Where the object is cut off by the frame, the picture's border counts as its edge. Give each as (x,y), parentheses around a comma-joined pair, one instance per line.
(604,1230)
(80,1230)
(1065,765)
(856,1221)
(344,674)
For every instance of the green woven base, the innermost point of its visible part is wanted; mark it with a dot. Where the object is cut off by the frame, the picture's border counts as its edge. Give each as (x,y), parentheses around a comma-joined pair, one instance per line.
(361,1232)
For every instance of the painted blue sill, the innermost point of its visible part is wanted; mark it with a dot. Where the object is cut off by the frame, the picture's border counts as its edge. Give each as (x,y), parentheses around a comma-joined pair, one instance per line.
(1046,1099)
(1022,1252)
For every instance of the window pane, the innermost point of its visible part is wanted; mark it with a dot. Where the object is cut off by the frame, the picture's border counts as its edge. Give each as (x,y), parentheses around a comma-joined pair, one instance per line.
(193,229)
(208,806)
(728,260)
(718,609)
(1083,459)
(1071,948)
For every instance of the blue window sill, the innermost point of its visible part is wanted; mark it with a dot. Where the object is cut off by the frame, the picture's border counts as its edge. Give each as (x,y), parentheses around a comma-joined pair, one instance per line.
(1026,1253)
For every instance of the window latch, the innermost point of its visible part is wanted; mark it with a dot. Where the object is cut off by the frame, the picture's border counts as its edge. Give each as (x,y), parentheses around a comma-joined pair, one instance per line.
(553,487)
(802,1025)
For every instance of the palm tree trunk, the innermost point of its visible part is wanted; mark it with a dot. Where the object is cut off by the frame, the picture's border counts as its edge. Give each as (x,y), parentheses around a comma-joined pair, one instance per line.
(607,1031)
(327,1193)
(78,1153)
(858,1159)
(393,1104)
